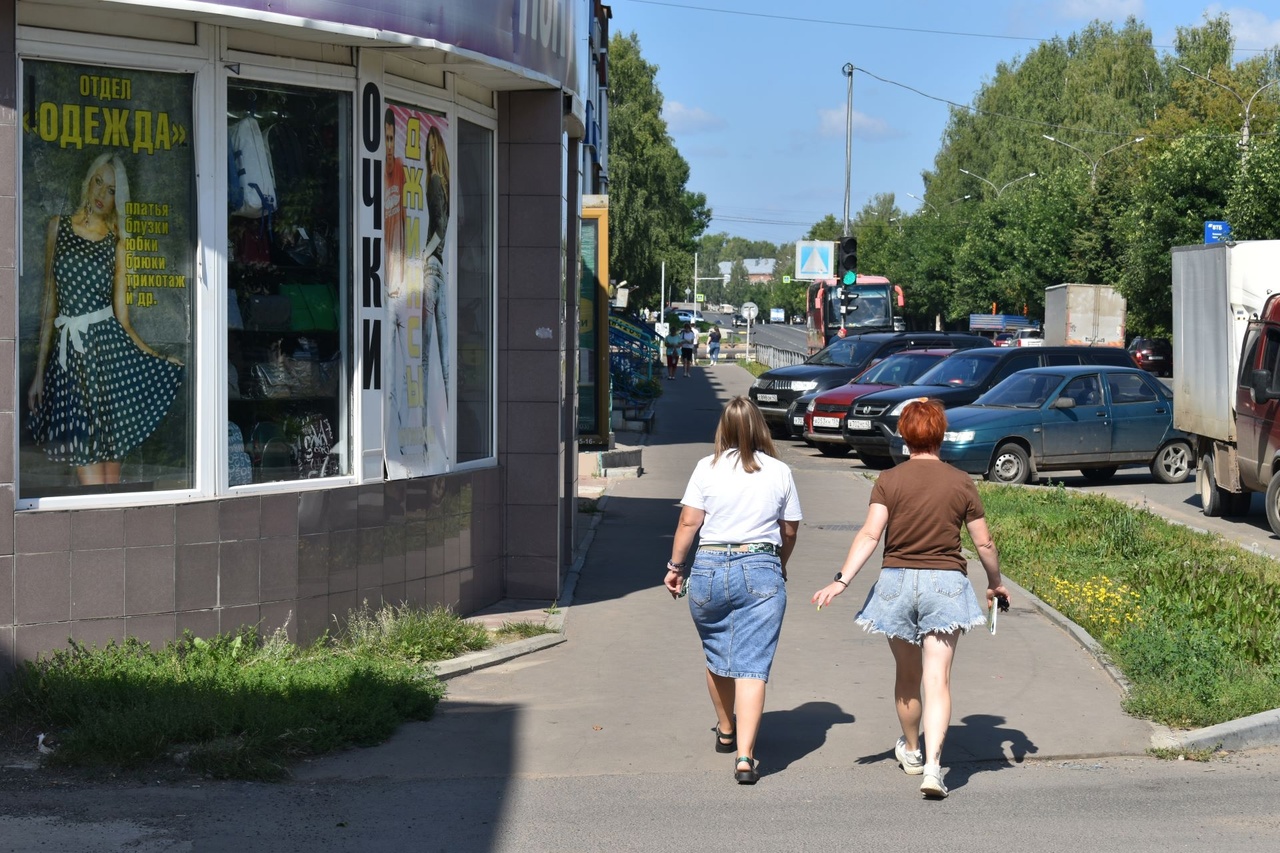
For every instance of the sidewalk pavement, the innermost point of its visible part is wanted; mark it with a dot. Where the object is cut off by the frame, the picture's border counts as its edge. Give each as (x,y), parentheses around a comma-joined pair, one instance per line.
(629,659)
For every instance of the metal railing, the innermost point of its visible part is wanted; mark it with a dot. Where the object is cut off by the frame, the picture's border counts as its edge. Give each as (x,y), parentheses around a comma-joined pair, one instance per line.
(771,356)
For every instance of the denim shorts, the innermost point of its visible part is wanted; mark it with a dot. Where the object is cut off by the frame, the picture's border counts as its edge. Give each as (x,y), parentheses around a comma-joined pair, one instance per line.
(910,603)
(737,602)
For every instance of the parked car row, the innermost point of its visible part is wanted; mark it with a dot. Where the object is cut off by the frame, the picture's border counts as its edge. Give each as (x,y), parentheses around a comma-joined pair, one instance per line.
(1013,413)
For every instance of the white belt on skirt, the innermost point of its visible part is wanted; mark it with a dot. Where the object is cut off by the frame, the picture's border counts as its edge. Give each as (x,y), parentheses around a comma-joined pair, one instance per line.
(74,327)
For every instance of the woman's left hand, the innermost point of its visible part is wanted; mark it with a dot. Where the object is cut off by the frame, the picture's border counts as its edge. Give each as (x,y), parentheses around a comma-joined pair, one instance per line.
(827,594)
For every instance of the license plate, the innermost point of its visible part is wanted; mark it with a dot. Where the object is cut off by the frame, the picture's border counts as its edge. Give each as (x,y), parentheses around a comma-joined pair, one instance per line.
(767,398)
(1155,358)
(798,420)
(826,422)
(858,425)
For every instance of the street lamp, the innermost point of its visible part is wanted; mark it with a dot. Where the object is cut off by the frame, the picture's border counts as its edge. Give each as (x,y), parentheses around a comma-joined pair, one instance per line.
(1093,170)
(1247,106)
(936,211)
(925,203)
(993,186)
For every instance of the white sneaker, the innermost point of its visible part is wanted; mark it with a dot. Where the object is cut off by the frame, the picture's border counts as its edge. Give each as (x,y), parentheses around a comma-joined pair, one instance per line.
(932,786)
(912,762)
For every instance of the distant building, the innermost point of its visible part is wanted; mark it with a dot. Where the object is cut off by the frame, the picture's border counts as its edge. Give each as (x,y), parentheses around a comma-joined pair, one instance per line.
(759,270)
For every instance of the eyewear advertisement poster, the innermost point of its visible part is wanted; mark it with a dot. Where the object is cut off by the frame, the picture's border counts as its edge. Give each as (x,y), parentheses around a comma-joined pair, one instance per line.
(104,291)
(416,199)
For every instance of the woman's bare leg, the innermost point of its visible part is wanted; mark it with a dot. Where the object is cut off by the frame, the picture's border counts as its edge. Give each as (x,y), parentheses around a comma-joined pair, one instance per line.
(98,473)
(749,696)
(722,699)
(939,651)
(906,689)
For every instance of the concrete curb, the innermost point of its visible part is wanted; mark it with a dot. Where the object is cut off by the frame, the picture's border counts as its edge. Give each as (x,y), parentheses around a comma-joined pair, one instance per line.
(473,661)
(1261,729)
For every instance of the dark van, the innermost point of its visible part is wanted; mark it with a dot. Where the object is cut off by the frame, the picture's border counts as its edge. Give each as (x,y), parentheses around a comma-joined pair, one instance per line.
(837,363)
(958,380)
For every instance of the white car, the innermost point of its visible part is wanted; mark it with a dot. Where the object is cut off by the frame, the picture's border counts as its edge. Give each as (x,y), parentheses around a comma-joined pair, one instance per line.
(687,316)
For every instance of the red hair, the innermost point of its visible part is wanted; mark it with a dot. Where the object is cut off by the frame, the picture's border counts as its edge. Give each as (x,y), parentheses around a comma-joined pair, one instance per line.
(922,425)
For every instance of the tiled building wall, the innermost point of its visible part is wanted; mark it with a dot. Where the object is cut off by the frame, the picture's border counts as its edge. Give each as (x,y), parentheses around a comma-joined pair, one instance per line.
(532,343)
(8,312)
(293,559)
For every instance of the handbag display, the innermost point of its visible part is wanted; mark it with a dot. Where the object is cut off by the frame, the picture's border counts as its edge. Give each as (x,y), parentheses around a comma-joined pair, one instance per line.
(313,306)
(284,377)
(267,312)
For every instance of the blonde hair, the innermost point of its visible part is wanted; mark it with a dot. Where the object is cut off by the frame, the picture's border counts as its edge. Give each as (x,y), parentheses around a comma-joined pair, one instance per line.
(742,428)
(122,189)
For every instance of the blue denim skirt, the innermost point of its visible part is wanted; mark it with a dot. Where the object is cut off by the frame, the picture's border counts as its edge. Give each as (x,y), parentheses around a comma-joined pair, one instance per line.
(737,602)
(910,603)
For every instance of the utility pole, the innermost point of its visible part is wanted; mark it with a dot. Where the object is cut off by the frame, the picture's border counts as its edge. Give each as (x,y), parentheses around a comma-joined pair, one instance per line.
(848,144)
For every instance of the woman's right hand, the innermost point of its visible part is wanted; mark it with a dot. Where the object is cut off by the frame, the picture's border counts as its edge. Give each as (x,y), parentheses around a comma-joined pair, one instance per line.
(35,396)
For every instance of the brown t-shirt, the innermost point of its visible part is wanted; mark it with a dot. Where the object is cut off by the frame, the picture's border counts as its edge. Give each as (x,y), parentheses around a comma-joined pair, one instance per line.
(927,500)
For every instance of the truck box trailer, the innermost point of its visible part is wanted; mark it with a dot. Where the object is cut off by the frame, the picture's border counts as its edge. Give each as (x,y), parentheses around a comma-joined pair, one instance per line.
(1084,315)
(1224,312)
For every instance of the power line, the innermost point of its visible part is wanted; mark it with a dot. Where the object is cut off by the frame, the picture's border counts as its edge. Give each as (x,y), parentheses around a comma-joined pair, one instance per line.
(832,23)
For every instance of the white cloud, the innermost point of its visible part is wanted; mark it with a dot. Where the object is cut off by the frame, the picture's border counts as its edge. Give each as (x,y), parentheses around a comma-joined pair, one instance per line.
(832,123)
(682,119)
(1107,10)
(1253,30)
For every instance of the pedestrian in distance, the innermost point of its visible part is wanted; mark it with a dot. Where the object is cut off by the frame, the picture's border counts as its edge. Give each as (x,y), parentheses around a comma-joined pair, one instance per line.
(673,343)
(713,345)
(688,343)
(923,600)
(742,503)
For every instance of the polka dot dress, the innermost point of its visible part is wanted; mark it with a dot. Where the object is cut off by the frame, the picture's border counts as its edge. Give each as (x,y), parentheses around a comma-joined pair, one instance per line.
(111,397)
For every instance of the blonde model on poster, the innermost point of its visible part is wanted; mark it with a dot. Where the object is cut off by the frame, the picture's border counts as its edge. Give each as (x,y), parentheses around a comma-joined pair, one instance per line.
(99,390)
(435,294)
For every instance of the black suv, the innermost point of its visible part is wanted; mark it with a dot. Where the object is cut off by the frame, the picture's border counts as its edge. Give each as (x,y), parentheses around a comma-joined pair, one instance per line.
(958,380)
(841,360)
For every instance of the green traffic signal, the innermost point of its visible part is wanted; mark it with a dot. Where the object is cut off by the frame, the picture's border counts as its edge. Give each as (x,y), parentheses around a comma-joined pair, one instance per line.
(850,277)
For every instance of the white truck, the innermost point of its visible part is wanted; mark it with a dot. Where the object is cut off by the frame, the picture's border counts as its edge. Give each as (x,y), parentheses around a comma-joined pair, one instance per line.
(1084,315)
(1225,312)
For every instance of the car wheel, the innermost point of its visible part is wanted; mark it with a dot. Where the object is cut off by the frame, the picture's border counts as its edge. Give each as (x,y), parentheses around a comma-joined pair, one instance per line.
(1172,463)
(1273,503)
(1010,465)
(879,463)
(1098,476)
(1213,500)
(833,450)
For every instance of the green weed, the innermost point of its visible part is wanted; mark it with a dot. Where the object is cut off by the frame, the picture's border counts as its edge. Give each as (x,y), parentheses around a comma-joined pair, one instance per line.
(1188,617)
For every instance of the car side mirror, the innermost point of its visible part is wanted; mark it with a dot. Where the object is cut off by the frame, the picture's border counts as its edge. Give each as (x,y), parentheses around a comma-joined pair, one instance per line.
(1064,403)
(1261,386)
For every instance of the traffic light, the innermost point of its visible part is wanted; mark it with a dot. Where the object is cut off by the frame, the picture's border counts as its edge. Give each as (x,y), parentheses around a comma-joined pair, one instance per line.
(847,259)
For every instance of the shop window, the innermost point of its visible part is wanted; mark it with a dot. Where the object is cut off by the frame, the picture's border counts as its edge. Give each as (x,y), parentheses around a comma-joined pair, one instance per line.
(476,392)
(287,283)
(106,281)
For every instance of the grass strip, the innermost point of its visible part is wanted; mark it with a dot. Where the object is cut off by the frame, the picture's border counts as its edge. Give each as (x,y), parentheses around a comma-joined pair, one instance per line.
(238,705)
(1188,617)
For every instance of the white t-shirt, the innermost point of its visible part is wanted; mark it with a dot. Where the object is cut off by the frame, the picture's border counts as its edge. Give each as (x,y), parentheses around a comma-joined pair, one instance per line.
(742,507)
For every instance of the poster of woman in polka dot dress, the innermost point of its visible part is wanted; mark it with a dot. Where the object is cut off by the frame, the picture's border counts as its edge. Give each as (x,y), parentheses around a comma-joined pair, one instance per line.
(106,289)
(99,390)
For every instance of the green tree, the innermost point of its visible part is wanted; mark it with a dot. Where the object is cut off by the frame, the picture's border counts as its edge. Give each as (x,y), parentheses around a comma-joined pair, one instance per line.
(653,217)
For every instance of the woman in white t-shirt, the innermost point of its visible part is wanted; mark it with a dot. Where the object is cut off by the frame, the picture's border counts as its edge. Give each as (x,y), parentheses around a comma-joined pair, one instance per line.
(742,502)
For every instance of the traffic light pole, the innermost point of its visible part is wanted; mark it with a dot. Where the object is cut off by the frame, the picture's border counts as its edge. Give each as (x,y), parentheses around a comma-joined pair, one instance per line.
(848,144)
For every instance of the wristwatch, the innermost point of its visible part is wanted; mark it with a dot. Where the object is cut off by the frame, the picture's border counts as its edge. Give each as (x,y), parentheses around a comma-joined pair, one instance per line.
(840,579)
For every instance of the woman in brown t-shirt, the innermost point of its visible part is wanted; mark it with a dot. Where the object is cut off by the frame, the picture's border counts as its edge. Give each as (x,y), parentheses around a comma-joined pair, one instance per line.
(923,600)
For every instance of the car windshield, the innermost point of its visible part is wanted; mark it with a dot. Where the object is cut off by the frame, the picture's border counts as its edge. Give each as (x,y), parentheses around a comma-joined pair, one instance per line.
(900,369)
(846,352)
(1021,391)
(959,371)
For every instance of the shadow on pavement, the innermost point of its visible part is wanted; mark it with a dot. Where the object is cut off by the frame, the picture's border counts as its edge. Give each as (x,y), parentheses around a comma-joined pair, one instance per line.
(789,735)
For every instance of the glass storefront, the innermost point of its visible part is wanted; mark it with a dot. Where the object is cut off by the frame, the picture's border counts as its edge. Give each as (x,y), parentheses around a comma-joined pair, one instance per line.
(106,283)
(476,392)
(287,283)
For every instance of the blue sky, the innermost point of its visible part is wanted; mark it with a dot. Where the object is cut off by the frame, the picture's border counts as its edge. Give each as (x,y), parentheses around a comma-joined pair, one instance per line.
(755,96)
